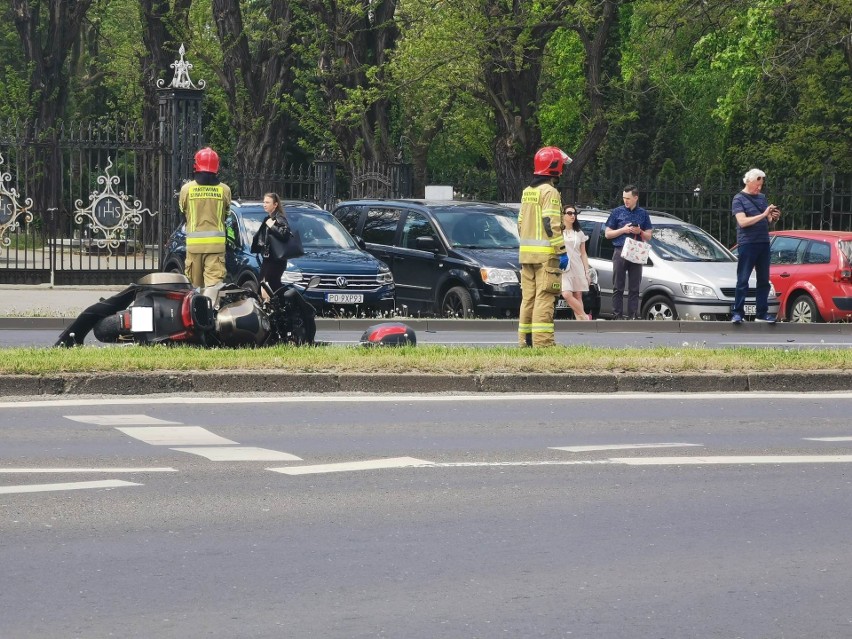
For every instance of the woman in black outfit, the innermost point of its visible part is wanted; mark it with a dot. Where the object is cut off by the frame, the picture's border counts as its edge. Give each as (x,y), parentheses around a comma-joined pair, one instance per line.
(276,224)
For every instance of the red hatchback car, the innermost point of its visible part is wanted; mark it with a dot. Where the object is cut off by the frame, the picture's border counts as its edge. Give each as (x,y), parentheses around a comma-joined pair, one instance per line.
(812,274)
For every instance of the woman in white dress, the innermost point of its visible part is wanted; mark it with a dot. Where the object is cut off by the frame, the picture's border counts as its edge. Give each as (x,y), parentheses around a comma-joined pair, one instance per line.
(575,280)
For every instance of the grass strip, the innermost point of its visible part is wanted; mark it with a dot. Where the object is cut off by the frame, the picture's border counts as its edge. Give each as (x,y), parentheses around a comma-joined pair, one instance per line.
(420,359)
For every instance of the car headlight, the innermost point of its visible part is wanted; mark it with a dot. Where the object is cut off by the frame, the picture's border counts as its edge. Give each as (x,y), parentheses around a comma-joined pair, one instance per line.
(697,290)
(498,276)
(384,277)
(291,277)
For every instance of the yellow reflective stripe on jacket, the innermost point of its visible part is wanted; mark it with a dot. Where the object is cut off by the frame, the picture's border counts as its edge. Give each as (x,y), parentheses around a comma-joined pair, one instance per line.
(540,203)
(205,216)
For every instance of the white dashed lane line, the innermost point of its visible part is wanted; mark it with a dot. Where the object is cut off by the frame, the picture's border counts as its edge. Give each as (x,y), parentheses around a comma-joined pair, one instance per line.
(239,453)
(59,471)
(80,485)
(734,459)
(372,464)
(593,448)
(118,420)
(176,436)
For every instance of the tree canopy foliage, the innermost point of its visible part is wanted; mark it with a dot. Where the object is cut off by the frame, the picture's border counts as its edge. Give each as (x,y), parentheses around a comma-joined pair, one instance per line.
(635,88)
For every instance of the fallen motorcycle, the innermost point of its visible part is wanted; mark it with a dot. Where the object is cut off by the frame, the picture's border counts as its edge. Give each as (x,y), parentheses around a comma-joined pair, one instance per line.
(164,308)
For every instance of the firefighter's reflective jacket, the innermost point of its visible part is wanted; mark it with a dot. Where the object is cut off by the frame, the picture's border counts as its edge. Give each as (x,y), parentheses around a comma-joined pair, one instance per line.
(540,224)
(205,208)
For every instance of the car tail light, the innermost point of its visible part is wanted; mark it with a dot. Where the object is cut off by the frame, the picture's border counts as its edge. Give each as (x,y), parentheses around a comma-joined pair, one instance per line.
(844,272)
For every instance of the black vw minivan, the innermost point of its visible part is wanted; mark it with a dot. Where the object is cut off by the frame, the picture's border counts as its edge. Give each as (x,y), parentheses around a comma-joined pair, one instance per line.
(450,258)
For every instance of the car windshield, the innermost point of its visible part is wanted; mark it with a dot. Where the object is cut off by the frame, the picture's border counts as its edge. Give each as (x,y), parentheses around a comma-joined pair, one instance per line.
(485,227)
(317,231)
(681,243)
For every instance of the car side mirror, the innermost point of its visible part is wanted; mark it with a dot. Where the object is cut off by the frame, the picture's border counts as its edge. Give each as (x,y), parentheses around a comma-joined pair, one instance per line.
(427,243)
(359,242)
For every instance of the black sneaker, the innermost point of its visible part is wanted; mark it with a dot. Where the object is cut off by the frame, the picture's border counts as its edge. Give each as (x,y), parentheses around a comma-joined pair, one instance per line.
(766,318)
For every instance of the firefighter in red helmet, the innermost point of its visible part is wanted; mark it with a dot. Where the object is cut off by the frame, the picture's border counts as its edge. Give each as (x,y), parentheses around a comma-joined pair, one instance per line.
(542,250)
(205,202)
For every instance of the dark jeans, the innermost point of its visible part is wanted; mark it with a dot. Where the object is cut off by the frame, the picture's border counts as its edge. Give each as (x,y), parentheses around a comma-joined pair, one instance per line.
(271,271)
(621,268)
(752,257)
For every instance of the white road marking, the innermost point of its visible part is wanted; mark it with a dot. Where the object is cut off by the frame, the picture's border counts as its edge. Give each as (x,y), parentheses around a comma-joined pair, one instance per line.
(734,459)
(117,420)
(80,485)
(371,464)
(828,439)
(400,398)
(580,462)
(176,436)
(9,471)
(240,453)
(585,449)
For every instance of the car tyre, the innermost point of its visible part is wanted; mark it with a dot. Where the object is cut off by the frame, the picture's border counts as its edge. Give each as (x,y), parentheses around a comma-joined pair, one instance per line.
(659,307)
(803,310)
(457,302)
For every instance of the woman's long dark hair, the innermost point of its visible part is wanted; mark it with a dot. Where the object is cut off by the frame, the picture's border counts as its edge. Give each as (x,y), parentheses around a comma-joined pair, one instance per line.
(576,225)
(279,208)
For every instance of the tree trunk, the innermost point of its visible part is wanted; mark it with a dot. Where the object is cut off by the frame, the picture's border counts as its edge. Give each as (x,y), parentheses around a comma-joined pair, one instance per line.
(164,29)
(47,42)
(512,89)
(357,42)
(596,46)
(255,83)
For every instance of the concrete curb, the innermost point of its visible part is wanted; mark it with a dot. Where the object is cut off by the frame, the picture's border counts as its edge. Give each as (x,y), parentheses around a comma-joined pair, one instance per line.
(246,382)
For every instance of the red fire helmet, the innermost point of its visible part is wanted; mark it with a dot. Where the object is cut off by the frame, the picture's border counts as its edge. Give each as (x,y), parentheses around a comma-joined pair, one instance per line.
(207,160)
(550,161)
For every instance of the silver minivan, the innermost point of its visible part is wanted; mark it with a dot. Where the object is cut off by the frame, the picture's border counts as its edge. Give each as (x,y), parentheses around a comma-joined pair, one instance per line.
(689,274)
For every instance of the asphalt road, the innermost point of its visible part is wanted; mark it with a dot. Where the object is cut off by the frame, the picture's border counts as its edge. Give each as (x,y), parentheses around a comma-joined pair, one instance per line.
(427,516)
(722,335)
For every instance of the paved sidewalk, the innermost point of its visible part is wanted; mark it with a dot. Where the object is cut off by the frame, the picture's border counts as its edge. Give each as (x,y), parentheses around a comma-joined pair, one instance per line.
(46,301)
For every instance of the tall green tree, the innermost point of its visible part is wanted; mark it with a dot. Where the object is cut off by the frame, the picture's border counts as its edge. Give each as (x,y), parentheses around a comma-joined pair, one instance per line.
(256,73)
(48,30)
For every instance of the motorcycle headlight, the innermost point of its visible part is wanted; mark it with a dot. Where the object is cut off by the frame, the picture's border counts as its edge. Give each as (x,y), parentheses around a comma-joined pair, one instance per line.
(697,290)
(498,276)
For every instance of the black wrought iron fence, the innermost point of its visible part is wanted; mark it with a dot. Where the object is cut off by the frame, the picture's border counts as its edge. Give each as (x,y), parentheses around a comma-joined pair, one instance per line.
(821,202)
(95,193)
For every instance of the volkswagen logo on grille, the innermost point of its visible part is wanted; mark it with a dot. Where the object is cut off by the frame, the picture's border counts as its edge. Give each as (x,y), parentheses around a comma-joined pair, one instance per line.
(341,282)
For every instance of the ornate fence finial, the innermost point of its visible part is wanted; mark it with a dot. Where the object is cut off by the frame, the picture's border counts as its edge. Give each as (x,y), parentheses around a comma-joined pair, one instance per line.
(181,80)
(10,208)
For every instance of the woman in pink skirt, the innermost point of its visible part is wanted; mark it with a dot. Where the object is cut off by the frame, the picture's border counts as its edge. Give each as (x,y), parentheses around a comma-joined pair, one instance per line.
(575,280)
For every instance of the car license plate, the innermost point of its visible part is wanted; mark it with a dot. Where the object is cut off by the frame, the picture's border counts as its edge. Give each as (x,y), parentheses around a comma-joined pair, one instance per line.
(345,298)
(750,309)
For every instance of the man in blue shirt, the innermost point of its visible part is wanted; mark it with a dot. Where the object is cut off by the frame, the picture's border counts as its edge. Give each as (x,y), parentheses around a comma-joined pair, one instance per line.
(633,221)
(753,214)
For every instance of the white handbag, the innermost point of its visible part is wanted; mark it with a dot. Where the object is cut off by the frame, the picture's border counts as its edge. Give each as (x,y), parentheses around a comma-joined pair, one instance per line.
(635,251)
